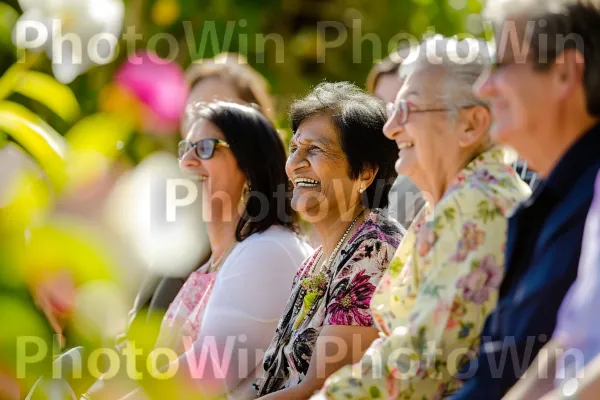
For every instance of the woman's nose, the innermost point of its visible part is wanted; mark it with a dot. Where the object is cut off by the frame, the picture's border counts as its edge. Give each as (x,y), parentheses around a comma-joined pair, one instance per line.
(392,128)
(295,161)
(189,160)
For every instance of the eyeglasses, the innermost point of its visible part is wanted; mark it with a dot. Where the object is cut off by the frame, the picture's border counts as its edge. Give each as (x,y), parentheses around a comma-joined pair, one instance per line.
(204,148)
(402,108)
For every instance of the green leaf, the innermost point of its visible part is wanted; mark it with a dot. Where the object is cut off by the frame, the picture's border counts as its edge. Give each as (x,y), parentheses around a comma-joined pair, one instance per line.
(374,392)
(8,18)
(102,133)
(48,91)
(96,142)
(38,138)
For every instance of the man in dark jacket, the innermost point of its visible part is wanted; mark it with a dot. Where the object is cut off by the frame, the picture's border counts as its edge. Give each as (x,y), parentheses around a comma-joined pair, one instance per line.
(544,91)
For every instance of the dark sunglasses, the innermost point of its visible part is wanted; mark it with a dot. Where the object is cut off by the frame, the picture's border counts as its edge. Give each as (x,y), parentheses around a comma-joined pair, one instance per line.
(204,148)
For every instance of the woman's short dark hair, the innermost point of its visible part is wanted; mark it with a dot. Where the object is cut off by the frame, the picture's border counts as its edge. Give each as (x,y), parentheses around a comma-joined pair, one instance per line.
(359,118)
(260,155)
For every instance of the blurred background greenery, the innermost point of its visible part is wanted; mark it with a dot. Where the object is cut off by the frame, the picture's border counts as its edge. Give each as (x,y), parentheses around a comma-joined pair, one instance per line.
(71,148)
(306,61)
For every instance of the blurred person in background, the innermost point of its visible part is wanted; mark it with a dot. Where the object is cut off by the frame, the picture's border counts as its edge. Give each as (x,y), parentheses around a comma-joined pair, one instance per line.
(238,159)
(341,167)
(544,93)
(227,77)
(384,82)
(444,278)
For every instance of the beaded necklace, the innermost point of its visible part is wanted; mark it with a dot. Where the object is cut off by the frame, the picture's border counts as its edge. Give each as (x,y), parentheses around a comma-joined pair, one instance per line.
(213,266)
(314,285)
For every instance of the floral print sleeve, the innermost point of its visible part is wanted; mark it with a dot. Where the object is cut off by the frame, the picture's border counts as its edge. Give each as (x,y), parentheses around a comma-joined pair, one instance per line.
(352,288)
(431,304)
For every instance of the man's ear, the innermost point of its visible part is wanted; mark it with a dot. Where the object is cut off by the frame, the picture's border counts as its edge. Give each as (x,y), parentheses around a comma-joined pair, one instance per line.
(568,70)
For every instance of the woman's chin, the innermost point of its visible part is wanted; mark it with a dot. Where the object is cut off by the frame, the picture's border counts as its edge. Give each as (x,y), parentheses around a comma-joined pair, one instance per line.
(403,167)
(310,210)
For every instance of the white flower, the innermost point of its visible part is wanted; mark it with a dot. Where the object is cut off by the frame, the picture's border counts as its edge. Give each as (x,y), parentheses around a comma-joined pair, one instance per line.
(76,34)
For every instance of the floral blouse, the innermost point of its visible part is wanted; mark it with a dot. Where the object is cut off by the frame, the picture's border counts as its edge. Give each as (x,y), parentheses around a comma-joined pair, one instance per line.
(441,285)
(184,316)
(351,282)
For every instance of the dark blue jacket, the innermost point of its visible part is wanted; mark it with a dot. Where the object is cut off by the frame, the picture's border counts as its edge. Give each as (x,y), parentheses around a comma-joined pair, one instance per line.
(542,255)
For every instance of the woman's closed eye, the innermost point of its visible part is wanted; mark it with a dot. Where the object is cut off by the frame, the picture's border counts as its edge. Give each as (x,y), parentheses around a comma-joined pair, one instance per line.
(311,149)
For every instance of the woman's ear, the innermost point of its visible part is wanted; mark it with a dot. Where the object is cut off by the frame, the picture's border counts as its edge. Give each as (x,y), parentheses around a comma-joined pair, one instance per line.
(367,177)
(478,119)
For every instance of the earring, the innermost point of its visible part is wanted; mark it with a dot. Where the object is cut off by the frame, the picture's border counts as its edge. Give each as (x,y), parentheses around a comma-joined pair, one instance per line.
(245,192)
(362,189)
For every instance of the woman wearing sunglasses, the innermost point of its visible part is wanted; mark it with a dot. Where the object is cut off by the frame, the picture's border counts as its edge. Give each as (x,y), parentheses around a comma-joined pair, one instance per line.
(228,309)
(237,157)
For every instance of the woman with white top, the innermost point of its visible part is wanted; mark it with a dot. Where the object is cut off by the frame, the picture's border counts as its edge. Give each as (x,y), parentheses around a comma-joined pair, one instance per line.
(238,159)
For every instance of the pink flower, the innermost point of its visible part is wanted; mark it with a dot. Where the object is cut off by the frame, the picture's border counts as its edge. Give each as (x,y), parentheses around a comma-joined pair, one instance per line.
(350,303)
(160,86)
(427,239)
(472,236)
(479,283)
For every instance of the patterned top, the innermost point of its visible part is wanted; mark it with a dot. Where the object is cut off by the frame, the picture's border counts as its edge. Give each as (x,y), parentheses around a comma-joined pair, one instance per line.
(442,283)
(351,281)
(184,315)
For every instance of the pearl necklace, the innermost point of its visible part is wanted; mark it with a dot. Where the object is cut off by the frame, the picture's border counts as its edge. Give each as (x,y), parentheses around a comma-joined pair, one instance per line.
(325,266)
(314,286)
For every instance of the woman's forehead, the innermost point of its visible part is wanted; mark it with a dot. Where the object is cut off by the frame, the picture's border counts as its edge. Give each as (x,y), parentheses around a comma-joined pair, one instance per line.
(318,128)
(203,129)
(422,83)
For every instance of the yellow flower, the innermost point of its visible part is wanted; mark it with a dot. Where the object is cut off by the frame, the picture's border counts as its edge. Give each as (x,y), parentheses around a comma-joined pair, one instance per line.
(165,12)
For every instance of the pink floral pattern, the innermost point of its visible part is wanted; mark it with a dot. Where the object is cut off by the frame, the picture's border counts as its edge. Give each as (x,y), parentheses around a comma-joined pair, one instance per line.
(481,282)
(351,301)
(351,283)
(472,236)
(184,315)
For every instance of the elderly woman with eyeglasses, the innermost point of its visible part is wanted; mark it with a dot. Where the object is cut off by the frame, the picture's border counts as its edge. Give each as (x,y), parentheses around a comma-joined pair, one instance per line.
(431,304)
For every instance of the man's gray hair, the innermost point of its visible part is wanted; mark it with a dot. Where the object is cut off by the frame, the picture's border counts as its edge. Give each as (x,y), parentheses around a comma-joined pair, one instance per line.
(463,62)
(500,10)
(552,27)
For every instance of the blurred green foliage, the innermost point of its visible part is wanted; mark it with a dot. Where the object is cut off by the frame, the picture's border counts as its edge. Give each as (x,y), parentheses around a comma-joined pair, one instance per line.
(296,54)
(295,44)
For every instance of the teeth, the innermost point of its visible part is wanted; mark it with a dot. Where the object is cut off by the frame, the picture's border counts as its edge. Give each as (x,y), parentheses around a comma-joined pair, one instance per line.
(405,145)
(305,182)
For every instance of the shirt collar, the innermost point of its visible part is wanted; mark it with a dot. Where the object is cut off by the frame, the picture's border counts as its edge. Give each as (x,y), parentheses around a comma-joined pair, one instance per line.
(575,162)
(495,156)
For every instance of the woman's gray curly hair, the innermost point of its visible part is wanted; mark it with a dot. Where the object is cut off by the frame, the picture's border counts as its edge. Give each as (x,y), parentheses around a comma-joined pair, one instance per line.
(463,62)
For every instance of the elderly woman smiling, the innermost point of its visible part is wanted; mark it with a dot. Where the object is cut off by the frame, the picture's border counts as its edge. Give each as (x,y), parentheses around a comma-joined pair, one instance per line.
(442,283)
(342,168)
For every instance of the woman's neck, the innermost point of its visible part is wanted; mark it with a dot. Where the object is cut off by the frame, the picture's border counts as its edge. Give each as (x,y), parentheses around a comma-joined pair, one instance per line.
(221,234)
(435,185)
(332,229)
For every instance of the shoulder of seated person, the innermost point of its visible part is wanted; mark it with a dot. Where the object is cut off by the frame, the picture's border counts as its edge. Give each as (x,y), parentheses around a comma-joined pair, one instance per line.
(276,238)
(393,227)
(465,198)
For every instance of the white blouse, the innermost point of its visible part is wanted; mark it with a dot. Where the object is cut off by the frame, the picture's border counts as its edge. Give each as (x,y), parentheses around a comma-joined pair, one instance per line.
(248,298)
